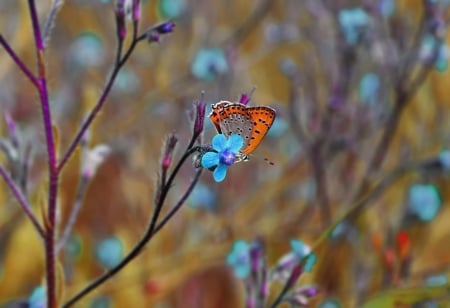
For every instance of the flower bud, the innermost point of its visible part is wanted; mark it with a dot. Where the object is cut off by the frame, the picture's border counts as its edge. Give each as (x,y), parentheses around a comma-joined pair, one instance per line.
(171,141)
(155,32)
(120,20)
(93,158)
(200,108)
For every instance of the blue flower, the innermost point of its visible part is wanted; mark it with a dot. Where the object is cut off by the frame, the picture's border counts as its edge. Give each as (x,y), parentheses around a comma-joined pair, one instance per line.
(437,280)
(424,201)
(225,156)
(444,159)
(38,298)
(109,252)
(302,250)
(331,303)
(202,197)
(209,63)
(368,88)
(169,9)
(429,43)
(299,248)
(352,21)
(239,259)
(101,302)
(387,7)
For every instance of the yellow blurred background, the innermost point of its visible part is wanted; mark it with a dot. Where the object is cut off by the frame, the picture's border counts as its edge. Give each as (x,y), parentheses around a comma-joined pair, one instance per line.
(293,53)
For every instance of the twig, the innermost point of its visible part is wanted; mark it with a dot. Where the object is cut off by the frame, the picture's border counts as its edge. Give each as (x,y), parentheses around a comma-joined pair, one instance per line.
(22,201)
(73,214)
(18,61)
(56,6)
(52,163)
(152,229)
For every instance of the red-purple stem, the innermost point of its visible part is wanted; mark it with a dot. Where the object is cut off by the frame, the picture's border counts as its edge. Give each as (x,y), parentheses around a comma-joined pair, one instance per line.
(98,106)
(18,61)
(22,201)
(52,163)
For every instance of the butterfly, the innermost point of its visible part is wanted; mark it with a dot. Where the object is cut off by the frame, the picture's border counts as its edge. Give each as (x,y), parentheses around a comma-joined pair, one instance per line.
(251,123)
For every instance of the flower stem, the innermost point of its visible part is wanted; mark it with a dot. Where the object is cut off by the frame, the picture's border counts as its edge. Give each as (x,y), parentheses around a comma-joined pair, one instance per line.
(101,101)
(51,156)
(18,61)
(22,201)
(151,230)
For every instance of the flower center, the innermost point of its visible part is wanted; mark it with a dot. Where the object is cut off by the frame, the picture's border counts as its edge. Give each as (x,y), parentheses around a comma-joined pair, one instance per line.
(227,157)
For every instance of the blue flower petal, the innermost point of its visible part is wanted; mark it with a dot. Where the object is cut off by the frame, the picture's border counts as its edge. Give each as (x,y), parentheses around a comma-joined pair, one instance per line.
(219,142)
(38,298)
(235,143)
(299,248)
(239,259)
(210,159)
(220,172)
(310,261)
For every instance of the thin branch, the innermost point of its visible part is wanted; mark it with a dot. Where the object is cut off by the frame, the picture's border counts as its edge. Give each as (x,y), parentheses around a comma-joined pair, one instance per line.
(50,258)
(152,228)
(82,186)
(18,61)
(180,202)
(101,101)
(56,6)
(22,201)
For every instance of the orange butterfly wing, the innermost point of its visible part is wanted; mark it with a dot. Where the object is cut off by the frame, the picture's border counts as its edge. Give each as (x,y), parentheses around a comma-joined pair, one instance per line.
(262,118)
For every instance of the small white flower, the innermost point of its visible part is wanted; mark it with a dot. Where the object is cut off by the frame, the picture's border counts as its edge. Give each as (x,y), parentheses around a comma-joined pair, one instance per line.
(93,158)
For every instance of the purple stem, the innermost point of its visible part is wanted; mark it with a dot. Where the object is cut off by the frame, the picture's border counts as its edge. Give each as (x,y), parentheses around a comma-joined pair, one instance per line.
(119,63)
(98,106)
(52,163)
(22,201)
(18,61)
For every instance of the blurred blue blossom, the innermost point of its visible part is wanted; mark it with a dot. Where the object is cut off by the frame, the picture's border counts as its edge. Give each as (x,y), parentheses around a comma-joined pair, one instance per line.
(437,280)
(352,21)
(427,49)
(38,298)
(299,248)
(202,197)
(73,247)
(239,259)
(424,201)
(387,7)
(330,303)
(368,88)
(279,128)
(208,63)
(109,252)
(101,302)
(444,159)
(87,51)
(227,149)
(302,250)
(127,81)
(170,9)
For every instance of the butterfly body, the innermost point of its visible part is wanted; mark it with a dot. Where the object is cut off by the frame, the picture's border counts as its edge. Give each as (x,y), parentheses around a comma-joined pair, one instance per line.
(251,123)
